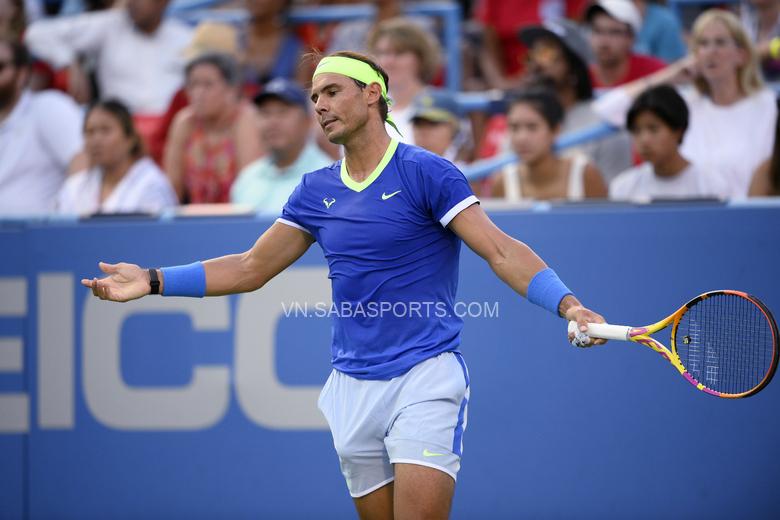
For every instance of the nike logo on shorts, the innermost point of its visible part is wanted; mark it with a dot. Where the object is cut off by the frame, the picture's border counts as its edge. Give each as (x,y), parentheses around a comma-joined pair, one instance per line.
(427,453)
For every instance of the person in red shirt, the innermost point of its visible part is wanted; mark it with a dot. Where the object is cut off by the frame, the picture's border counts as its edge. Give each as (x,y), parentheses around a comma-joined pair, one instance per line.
(614,24)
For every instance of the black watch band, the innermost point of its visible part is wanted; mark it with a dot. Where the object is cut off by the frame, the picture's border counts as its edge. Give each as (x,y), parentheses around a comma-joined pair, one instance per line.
(154,281)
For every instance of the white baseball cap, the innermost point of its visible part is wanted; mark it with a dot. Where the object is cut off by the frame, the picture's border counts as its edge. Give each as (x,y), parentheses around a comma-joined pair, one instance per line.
(621,10)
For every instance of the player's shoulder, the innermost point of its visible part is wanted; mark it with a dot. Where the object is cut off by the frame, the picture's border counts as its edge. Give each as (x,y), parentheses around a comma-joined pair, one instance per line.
(325,174)
(415,159)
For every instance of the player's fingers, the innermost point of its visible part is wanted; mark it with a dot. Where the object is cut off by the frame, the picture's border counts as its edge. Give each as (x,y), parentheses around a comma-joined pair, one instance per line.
(86,282)
(107,268)
(94,286)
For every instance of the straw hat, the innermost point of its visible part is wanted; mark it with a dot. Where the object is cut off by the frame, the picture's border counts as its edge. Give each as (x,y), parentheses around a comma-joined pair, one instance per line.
(212,37)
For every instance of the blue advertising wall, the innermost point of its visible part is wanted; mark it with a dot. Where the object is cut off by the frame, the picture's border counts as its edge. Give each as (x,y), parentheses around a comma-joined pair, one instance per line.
(183,408)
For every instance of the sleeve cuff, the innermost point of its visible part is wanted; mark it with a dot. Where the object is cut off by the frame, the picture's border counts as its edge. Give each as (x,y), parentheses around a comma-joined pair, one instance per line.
(457,208)
(292,224)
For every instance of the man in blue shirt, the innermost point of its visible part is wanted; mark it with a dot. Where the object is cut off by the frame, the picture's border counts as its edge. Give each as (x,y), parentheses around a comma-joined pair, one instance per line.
(390,219)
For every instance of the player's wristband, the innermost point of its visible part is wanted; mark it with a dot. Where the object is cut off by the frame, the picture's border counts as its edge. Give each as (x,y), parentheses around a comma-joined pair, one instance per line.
(546,290)
(774,48)
(185,280)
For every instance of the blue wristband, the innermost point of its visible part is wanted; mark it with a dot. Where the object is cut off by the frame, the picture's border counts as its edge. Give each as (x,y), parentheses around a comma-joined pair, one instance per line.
(185,280)
(547,290)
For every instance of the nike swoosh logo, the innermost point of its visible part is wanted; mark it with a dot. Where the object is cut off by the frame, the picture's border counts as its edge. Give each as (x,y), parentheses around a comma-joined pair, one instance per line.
(385,196)
(427,453)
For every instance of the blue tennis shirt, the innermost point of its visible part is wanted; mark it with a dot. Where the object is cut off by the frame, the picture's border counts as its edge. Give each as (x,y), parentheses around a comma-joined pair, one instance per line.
(393,263)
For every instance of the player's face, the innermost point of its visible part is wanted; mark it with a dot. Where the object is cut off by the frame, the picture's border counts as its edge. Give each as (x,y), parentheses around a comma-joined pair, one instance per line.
(105,141)
(282,126)
(340,105)
(434,137)
(611,40)
(208,91)
(655,142)
(530,135)
(718,57)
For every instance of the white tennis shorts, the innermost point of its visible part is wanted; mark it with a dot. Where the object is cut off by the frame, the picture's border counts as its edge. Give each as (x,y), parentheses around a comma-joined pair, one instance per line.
(416,418)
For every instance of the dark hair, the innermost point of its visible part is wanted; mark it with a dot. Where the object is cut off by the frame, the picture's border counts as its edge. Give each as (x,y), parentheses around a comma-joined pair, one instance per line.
(383,108)
(224,63)
(544,101)
(774,163)
(125,119)
(20,56)
(665,103)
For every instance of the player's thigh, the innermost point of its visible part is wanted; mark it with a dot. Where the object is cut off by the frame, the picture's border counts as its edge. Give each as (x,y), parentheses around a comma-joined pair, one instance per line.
(377,505)
(422,492)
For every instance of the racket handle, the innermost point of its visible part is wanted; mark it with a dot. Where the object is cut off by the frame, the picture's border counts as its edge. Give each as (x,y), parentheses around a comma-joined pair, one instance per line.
(604,330)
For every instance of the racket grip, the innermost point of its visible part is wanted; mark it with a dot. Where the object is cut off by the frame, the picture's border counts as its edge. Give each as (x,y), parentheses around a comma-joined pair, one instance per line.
(604,330)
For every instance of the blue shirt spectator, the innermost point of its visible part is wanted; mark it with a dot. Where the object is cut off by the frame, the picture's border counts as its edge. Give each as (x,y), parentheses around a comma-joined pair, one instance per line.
(661,33)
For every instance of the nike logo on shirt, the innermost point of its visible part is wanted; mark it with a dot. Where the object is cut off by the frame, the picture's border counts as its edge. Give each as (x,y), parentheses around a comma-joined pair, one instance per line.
(385,196)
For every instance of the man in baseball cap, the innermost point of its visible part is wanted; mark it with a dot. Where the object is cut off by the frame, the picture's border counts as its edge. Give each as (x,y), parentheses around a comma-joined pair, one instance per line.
(614,25)
(436,122)
(284,119)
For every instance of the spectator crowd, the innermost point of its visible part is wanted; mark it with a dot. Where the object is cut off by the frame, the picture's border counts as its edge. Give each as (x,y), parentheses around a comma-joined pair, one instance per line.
(133,107)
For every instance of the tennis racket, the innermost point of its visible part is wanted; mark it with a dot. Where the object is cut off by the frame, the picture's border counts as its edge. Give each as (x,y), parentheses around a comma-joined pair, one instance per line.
(723,342)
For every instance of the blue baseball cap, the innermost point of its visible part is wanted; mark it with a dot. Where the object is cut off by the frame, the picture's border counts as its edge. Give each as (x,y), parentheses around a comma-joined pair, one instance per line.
(284,90)
(436,105)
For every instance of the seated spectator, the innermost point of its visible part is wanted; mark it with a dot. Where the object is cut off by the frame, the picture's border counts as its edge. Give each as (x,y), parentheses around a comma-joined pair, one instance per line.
(761,19)
(657,121)
(661,34)
(209,37)
(729,103)
(271,49)
(117,41)
(558,56)
(121,178)
(285,129)
(534,119)
(411,58)
(614,25)
(214,137)
(40,137)
(766,180)
(436,124)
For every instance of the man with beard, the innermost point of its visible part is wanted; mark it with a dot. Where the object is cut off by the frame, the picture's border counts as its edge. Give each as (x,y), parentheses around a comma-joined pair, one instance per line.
(40,137)
(614,25)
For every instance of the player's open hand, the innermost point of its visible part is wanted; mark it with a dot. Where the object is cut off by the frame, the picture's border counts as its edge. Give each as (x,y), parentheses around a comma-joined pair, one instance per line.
(582,316)
(124,282)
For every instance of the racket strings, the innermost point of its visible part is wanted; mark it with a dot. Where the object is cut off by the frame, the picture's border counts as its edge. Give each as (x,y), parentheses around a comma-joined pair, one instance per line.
(726,342)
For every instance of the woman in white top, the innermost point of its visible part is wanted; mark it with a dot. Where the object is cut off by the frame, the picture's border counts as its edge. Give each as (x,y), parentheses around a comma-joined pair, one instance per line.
(121,179)
(534,121)
(732,114)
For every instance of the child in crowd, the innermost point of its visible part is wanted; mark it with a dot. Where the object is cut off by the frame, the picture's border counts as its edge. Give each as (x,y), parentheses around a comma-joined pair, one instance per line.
(657,121)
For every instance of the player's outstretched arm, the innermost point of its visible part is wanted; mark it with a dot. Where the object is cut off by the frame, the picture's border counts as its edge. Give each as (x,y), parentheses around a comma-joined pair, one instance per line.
(274,251)
(519,267)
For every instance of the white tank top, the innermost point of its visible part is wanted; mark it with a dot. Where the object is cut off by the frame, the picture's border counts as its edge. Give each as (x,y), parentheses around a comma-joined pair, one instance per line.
(574,191)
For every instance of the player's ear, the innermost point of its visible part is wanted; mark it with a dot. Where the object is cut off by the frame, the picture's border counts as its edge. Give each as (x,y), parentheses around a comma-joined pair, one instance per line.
(373,93)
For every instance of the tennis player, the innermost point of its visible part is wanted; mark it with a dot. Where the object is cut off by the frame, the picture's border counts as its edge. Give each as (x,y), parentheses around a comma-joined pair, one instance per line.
(390,219)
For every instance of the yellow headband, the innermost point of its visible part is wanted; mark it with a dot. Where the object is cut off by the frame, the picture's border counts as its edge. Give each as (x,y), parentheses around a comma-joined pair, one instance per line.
(358,70)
